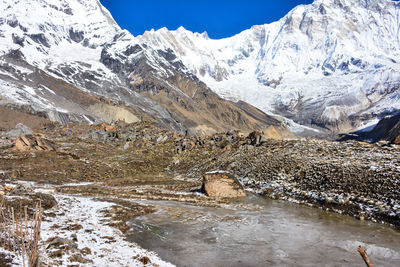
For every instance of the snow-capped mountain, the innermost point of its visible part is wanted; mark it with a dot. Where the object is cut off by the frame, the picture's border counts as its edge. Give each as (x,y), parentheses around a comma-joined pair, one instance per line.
(68,60)
(333,64)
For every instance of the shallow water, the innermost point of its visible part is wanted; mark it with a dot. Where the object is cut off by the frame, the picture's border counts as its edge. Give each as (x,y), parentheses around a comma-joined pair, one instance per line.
(261,232)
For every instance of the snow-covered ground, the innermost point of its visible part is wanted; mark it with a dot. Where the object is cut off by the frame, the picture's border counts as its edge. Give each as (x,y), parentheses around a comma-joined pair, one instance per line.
(95,235)
(13,259)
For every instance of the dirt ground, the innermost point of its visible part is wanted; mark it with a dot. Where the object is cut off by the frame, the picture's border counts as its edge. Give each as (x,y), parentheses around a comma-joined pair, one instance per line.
(10,117)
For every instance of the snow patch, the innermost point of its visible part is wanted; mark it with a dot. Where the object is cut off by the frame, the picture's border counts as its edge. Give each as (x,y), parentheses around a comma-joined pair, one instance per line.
(87,212)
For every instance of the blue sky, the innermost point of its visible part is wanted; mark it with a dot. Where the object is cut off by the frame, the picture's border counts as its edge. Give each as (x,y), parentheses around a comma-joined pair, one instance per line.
(220,18)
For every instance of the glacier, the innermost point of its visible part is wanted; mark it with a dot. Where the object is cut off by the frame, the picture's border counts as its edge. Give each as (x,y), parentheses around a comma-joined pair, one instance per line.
(333,63)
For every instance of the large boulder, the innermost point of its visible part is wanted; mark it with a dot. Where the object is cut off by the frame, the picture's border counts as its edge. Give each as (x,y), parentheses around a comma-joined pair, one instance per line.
(256,138)
(31,142)
(222,184)
(17,131)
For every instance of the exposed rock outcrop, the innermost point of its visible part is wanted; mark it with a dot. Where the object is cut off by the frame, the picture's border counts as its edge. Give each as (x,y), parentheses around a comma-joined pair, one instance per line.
(222,185)
(18,131)
(256,138)
(32,142)
(113,113)
(388,129)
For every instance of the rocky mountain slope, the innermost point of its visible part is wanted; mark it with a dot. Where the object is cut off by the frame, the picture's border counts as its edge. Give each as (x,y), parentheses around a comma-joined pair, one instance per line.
(387,129)
(333,64)
(68,60)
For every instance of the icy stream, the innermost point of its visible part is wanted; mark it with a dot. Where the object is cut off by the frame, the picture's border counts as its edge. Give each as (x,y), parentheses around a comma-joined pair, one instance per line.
(261,232)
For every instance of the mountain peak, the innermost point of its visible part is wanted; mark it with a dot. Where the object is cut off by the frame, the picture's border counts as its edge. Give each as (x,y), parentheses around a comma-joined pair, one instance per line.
(355,3)
(277,66)
(181,29)
(205,35)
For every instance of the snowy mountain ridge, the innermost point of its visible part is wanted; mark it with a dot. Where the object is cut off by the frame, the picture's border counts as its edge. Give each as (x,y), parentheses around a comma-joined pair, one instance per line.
(320,64)
(53,24)
(68,60)
(333,64)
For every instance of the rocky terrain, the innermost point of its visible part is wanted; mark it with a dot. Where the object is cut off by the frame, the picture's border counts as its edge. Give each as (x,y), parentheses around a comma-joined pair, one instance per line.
(105,168)
(93,119)
(386,130)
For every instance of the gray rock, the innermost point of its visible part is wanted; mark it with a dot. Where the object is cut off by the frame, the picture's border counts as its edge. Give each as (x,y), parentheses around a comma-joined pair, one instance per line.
(62,242)
(74,237)
(19,130)
(230,133)
(159,139)
(76,36)
(126,146)
(263,140)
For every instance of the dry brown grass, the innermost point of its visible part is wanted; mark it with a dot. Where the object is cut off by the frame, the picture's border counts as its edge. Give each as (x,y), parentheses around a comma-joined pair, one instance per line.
(20,232)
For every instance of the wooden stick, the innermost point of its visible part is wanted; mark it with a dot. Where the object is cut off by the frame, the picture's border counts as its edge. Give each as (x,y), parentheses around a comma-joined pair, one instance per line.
(9,228)
(38,220)
(21,232)
(13,229)
(33,240)
(364,256)
(3,220)
(7,235)
(16,236)
(26,234)
(22,238)
(32,221)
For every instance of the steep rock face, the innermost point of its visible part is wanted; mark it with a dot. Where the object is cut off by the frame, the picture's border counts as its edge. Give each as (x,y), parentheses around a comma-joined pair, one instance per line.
(63,57)
(161,76)
(387,129)
(332,64)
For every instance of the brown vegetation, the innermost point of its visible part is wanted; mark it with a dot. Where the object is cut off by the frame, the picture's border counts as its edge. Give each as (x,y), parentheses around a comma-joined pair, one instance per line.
(20,232)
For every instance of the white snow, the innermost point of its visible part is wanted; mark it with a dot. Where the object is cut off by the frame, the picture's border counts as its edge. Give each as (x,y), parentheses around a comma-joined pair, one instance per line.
(25,95)
(86,212)
(22,70)
(15,259)
(283,63)
(71,52)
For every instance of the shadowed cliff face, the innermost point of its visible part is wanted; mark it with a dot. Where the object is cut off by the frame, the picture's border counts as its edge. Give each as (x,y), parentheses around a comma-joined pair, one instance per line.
(388,129)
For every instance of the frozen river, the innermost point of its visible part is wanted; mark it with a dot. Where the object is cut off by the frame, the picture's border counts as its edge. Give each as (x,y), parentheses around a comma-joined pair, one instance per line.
(262,232)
